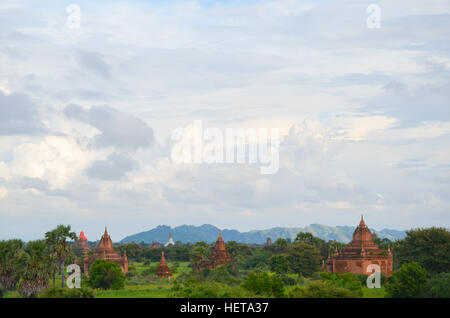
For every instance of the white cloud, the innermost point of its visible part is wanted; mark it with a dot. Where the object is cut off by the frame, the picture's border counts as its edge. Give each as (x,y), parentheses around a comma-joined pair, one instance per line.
(54,159)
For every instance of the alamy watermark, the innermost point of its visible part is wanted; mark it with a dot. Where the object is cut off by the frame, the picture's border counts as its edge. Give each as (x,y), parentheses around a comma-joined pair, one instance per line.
(74,279)
(195,145)
(374,279)
(73,20)
(374,19)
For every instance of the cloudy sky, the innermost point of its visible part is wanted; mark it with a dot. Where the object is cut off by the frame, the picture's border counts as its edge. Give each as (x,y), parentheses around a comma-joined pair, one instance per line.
(86,114)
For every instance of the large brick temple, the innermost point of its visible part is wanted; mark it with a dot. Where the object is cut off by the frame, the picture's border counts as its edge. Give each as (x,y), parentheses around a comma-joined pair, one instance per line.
(360,253)
(105,251)
(219,256)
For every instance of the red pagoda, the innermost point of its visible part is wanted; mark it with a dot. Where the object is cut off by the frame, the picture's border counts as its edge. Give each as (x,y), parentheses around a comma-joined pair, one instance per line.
(219,256)
(106,251)
(359,254)
(163,270)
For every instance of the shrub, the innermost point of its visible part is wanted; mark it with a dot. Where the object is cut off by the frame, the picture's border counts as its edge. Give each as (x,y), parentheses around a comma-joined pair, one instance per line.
(321,289)
(348,281)
(106,275)
(264,285)
(221,275)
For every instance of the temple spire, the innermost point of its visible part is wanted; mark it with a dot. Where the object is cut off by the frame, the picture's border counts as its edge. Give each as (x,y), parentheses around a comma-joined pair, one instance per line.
(362,223)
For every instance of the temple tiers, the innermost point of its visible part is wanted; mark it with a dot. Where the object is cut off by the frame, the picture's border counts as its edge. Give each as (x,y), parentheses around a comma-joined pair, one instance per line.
(359,254)
(106,251)
(219,256)
(163,270)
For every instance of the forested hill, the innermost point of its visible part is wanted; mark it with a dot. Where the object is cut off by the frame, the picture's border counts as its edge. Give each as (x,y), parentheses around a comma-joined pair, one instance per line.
(208,233)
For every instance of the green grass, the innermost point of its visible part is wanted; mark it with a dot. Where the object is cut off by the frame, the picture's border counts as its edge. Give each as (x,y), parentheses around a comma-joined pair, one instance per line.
(374,292)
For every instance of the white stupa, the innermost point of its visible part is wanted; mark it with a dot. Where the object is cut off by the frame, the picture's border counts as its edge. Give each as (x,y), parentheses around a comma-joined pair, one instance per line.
(171,242)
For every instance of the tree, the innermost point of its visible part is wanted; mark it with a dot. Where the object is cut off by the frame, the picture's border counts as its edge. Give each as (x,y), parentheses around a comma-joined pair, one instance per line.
(279,264)
(106,275)
(259,258)
(34,268)
(408,282)
(429,247)
(133,250)
(59,247)
(304,259)
(439,286)
(264,285)
(308,238)
(281,245)
(200,251)
(9,275)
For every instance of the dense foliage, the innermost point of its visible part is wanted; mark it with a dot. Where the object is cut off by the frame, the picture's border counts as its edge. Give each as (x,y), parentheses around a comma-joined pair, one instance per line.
(408,282)
(106,275)
(429,247)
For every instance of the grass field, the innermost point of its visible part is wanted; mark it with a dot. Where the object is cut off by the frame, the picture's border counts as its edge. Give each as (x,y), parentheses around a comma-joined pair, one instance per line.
(144,285)
(374,292)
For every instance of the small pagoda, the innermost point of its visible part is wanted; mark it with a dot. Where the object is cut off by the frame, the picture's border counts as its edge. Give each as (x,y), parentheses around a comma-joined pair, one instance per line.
(268,242)
(82,243)
(106,251)
(155,245)
(359,254)
(163,270)
(219,256)
(170,242)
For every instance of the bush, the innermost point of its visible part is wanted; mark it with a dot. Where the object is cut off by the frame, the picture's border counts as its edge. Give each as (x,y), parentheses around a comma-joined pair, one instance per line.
(193,289)
(58,292)
(288,280)
(264,285)
(408,282)
(221,275)
(321,289)
(106,275)
(348,281)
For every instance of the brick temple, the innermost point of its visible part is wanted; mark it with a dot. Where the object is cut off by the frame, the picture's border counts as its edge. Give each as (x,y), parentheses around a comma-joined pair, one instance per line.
(105,251)
(219,256)
(163,270)
(360,253)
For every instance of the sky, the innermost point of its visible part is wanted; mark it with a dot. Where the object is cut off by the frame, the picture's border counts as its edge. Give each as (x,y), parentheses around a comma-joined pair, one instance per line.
(87,114)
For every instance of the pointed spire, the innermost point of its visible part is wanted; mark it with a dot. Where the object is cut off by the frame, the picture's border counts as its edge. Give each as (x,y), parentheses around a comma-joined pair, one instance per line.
(220,236)
(362,223)
(106,231)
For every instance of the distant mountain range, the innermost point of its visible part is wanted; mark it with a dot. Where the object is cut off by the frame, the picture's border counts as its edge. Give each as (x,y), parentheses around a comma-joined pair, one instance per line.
(208,233)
